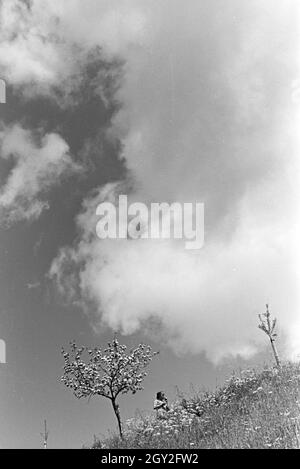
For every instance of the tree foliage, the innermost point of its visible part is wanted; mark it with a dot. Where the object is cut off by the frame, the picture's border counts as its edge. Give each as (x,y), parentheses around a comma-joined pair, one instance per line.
(106,372)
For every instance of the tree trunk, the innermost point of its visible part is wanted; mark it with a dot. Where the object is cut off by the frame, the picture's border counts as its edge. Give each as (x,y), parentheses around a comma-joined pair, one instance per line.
(117,413)
(275,353)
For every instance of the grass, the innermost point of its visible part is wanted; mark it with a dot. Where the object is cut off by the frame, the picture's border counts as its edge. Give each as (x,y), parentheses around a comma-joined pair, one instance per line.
(254,410)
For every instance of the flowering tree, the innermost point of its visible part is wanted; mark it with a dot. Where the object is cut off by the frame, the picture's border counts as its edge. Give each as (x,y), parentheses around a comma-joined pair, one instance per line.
(108,373)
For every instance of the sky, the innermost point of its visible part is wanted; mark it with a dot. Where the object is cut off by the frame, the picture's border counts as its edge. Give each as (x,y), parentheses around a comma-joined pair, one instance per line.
(163,101)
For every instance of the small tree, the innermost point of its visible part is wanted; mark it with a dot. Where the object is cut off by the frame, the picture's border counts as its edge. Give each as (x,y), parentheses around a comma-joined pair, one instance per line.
(45,435)
(107,373)
(268,325)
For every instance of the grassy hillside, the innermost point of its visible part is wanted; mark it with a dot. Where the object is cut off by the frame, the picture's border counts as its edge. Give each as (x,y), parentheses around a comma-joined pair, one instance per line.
(255,410)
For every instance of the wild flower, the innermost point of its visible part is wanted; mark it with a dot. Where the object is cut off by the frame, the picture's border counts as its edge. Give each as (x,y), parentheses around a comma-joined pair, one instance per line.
(230,417)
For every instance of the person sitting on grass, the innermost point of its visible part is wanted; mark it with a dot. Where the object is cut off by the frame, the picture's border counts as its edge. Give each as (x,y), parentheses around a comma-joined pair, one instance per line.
(161,405)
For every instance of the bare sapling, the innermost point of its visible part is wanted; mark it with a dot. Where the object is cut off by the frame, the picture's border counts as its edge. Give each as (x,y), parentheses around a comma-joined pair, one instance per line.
(268,326)
(45,435)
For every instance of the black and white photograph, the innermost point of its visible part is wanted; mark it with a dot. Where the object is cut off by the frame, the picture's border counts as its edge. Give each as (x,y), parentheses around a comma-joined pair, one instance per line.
(149,227)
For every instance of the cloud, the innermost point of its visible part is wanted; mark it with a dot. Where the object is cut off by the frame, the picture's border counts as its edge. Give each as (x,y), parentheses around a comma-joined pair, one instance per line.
(207,300)
(207,115)
(27,56)
(33,285)
(42,54)
(38,166)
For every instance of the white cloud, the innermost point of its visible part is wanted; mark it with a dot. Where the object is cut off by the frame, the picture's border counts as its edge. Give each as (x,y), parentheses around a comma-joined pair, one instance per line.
(43,45)
(37,167)
(206,300)
(207,115)
(26,56)
(34,56)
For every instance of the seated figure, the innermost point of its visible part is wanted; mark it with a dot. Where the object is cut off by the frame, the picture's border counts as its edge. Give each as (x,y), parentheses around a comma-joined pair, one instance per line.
(161,405)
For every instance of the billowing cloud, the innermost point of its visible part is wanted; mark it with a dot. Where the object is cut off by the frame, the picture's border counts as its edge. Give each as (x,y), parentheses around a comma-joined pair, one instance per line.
(38,166)
(208,114)
(205,300)
(42,54)
(27,56)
